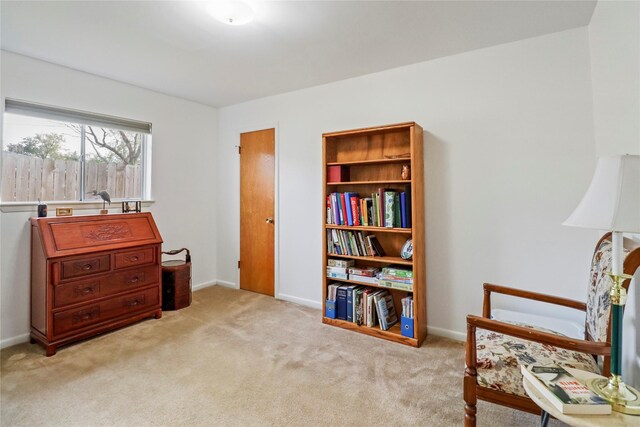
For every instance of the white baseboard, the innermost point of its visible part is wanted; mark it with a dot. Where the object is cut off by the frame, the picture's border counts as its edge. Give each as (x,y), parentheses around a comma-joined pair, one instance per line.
(301,301)
(8,342)
(226,284)
(447,333)
(202,286)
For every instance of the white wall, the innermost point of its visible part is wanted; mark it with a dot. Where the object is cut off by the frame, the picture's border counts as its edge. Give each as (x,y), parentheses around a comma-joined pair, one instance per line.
(509,152)
(183,182)
(614,40)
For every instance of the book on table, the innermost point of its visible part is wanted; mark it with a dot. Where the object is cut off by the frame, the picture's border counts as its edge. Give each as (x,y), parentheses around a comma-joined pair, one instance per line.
(564,391)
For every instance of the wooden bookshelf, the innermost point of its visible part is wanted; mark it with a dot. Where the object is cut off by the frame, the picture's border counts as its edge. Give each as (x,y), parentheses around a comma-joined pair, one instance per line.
(374,158)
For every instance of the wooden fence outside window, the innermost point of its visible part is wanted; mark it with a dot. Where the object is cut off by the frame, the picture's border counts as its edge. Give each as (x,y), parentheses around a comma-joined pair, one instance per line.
(28,178)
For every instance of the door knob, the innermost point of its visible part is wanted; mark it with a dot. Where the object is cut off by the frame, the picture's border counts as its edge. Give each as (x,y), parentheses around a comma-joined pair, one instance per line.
(269,220)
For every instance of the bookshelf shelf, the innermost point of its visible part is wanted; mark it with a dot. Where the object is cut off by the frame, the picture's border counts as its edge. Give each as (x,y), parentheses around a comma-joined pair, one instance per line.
(355,282)
(380,259)
(385,182)
(373,229)
(392,334)
(372,160)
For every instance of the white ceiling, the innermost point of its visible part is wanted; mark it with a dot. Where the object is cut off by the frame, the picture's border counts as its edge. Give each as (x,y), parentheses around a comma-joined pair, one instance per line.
(176,48)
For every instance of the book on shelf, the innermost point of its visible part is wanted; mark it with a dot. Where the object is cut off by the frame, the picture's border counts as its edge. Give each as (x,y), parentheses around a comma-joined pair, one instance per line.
(363,279)
(376,246)
(347,202)
(403,210)
(364,271)
(407,307)
(370,310)
(332,291)
(341,302)
(396,279)
(407,196)
(389,211)
(385,309)
(395,285)
(350,301)
(564,391)
(343,209)
(341,270)
(397,212)
(358,313)
(398,272)
(344,263)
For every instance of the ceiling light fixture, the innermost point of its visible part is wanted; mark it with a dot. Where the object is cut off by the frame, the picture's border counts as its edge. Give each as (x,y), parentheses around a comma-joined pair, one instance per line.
(232,12)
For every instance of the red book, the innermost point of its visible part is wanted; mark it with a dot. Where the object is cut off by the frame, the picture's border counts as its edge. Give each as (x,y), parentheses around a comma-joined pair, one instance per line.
(355,202)
(337,174)
(344,208)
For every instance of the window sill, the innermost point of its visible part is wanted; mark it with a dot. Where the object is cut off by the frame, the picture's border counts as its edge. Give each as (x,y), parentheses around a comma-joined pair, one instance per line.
(115,207)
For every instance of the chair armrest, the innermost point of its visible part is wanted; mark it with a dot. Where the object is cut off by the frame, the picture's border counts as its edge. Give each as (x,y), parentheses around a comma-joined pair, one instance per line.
(489,288)
(583,346)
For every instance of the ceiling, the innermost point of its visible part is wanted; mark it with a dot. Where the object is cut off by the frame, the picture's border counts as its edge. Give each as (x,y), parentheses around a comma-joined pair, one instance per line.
(174,47)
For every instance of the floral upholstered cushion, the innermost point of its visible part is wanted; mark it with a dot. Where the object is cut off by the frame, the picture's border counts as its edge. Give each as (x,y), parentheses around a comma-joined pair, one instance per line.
(598,300)
(500,356)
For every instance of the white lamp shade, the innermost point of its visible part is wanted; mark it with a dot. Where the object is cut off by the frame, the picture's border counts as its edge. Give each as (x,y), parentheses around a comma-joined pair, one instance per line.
(612,201)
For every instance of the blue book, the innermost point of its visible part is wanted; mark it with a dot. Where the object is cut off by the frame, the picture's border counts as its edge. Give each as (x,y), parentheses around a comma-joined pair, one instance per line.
(341,302)
(350,290)
(340,215)
(407,190)
(403,210)
(336,210)
(347,199)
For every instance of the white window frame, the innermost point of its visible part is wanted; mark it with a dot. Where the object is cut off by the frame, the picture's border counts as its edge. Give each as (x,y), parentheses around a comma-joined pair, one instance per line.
(83,118)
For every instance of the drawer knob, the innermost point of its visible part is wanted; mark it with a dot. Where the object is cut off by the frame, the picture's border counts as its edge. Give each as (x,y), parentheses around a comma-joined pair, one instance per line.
(134,279)
(87,267)
(134,302)
(87,290)
(133,258)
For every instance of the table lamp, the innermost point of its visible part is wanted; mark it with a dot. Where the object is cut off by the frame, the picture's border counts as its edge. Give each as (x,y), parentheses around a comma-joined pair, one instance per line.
(612,203)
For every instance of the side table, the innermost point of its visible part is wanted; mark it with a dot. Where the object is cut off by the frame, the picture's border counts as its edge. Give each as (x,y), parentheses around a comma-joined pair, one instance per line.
(615,419)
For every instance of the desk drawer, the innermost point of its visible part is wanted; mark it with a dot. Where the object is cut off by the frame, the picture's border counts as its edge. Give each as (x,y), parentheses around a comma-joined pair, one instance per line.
(84,266)
(90,289)
(90,314)
(135,257)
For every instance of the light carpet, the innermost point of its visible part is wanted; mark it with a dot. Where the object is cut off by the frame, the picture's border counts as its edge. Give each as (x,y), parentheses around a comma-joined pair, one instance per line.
(235,358)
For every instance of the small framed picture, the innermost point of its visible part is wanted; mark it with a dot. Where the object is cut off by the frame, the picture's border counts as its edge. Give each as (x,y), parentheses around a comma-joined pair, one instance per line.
(64,211)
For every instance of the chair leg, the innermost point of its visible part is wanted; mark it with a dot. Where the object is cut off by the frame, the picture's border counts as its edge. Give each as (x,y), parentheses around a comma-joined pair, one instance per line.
(470,397)
(470,378)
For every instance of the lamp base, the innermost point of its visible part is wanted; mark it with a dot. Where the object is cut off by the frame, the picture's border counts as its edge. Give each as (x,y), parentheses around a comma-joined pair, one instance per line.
(622,397)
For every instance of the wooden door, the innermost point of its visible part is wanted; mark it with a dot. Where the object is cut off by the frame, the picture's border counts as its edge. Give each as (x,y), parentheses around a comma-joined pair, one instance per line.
(257,221)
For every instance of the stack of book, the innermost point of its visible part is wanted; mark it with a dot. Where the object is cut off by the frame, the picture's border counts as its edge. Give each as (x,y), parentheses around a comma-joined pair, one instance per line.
(343,242)
(338,269)
(396,278)
(364,274)
(564,391)
(385,208)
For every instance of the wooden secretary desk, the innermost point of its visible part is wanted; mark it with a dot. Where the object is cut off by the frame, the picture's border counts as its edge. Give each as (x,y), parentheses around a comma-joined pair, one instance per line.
(91,274)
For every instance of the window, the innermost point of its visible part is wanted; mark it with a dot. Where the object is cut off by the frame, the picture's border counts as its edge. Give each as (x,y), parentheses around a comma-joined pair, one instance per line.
(55,154)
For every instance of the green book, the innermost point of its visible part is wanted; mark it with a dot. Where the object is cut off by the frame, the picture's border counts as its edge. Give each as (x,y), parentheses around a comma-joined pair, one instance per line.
(389,213)
(398,272)
(397,216)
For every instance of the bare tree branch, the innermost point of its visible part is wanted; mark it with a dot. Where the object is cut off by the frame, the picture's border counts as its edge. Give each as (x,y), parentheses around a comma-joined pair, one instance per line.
(94,141)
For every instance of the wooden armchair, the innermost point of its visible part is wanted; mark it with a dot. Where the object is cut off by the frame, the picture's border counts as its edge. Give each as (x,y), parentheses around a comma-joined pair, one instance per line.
(496,349)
